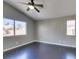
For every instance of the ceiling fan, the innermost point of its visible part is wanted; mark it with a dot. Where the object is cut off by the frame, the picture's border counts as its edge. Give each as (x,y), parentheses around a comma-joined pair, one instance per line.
(32,5)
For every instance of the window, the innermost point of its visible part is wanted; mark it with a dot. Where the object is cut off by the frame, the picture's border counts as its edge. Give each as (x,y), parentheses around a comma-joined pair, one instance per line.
(11,27)
(20,28)
(8,27)
(71,27)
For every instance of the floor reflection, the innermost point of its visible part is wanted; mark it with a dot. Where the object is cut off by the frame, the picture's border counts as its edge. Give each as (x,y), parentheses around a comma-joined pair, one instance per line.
(70,56)
(22,56)
(41,51)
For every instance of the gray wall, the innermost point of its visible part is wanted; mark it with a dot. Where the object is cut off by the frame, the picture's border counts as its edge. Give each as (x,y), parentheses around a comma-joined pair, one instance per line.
(54,31)
(9,42)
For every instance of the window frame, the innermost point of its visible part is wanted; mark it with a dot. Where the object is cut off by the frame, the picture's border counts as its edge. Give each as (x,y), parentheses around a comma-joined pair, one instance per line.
(14,22)
(71,27)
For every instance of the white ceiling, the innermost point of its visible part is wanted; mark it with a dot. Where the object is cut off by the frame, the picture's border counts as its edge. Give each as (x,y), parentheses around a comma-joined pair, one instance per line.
(52,8)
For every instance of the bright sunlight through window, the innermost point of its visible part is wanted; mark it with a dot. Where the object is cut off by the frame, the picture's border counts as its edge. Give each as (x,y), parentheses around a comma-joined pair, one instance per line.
(71,27)
(11,27)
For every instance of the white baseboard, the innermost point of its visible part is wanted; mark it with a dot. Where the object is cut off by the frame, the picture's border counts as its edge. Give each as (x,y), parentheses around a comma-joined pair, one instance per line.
(37,41)
(56,44)
(19,46)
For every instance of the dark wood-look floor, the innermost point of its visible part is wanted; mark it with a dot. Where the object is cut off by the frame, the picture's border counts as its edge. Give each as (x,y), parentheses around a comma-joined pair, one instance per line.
(41,51)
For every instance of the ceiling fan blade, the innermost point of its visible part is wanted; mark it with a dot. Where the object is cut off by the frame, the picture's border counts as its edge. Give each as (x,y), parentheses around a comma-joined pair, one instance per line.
(26,3)
(32,1)
(28,9)
(36,9)
(39,5)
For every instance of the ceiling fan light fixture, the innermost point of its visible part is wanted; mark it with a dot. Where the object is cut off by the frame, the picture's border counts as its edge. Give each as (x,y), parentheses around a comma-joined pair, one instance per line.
(31,7)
